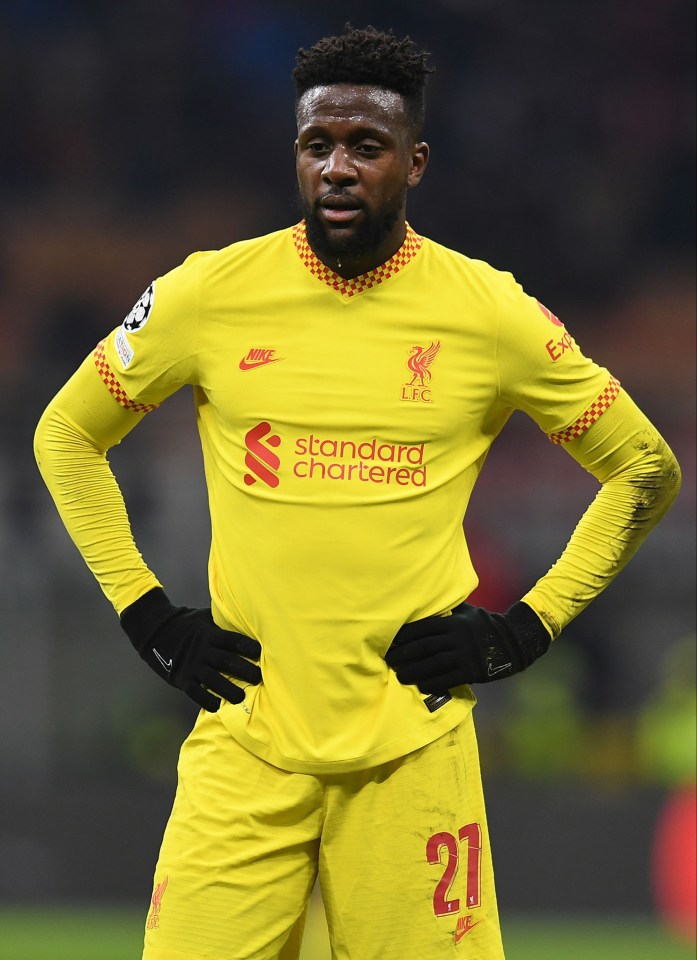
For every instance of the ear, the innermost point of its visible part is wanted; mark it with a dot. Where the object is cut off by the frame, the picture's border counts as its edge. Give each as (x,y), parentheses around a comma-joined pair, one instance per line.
(417,163)
(295,149)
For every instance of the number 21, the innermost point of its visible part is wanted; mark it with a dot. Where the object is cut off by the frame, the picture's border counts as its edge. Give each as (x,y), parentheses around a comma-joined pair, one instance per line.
(472,833)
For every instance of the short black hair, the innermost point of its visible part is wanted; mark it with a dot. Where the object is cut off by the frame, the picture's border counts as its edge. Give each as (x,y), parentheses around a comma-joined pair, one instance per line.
(372,57)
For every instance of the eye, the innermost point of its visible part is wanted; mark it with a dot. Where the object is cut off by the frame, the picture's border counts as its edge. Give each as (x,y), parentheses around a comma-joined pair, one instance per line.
(369,149)
(316,147)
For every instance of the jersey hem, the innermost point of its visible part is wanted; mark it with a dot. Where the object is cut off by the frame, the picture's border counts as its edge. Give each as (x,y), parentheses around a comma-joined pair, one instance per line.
(457,711)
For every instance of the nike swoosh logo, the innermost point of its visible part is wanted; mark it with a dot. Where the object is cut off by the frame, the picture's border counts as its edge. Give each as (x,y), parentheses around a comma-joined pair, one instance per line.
(492,671)
(459,934)
(167,664)
(247,365)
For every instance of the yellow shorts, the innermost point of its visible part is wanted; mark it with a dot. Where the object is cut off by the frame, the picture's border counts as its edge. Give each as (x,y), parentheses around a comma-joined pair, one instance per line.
(402,853)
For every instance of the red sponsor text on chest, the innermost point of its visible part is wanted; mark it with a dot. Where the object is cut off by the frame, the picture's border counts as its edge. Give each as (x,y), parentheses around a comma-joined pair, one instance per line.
(323,458)
(368,461)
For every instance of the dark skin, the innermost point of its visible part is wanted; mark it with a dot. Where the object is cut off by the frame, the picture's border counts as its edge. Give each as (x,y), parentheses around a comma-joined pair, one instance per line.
(356,158)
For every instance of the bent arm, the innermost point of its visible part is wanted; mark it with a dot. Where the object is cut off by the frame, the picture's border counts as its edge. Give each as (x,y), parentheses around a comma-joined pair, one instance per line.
(640,478)
(71,441)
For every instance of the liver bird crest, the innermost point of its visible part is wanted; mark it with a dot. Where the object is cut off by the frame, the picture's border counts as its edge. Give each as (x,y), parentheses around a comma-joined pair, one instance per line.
(154,918)
(420,362)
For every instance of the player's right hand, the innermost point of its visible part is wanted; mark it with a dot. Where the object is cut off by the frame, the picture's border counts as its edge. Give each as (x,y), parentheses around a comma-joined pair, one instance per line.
(187,649)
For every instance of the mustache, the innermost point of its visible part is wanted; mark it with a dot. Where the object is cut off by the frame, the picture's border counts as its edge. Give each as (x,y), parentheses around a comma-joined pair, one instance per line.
(346,194)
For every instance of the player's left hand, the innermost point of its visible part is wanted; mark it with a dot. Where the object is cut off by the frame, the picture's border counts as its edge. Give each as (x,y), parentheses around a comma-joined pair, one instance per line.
(470,646)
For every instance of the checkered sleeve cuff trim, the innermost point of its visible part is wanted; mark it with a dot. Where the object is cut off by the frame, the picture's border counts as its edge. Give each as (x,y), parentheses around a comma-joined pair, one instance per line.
(593,413)
(113,386)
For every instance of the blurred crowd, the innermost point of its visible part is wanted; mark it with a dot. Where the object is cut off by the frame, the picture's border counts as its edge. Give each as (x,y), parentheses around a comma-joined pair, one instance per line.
(563,139)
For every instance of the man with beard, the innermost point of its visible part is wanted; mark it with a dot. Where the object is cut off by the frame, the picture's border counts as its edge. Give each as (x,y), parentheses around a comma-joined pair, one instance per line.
(349,377)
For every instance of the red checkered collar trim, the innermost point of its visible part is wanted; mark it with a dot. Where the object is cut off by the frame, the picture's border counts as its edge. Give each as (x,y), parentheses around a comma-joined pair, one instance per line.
(349,288)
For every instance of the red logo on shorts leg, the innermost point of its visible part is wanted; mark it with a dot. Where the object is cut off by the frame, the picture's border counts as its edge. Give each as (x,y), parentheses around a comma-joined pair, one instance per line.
(260,460)
(153,921)
(464,925)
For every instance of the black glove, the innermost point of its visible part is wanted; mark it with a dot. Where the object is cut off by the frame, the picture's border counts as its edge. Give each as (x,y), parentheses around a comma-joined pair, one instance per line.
(187,649)
(470,646)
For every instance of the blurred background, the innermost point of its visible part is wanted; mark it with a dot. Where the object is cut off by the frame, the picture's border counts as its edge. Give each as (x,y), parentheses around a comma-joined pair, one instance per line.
(563,142)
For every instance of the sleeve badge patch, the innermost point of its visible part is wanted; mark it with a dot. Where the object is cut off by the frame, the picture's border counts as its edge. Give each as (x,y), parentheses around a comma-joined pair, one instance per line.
(138,316)
(123,348)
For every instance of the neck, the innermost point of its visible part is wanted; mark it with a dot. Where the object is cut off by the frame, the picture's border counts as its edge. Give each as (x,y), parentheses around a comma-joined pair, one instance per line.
(351,264)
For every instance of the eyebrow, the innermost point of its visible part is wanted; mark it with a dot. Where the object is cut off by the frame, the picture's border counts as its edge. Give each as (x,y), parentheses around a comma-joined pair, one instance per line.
(360,133)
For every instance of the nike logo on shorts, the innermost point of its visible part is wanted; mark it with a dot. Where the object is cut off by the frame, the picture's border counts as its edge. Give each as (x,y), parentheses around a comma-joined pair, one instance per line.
(464,925)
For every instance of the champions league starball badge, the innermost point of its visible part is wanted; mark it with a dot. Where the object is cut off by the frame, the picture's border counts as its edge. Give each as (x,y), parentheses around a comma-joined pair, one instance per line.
(138,316)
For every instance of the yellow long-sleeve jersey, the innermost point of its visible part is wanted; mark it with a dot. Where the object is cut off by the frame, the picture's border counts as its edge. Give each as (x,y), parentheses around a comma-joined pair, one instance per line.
(343,425)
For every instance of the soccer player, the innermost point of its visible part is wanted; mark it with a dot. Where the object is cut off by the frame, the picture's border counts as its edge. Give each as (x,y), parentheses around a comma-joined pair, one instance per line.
(349,378)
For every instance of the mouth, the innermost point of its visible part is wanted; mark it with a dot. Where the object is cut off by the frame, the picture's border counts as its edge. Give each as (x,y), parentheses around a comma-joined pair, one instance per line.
(337,208)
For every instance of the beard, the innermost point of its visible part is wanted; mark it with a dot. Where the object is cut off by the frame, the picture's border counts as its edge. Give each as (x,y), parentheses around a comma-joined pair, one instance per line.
(365,239)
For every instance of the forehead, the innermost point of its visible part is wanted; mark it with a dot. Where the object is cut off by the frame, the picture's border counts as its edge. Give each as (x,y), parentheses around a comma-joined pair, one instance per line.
(342,102)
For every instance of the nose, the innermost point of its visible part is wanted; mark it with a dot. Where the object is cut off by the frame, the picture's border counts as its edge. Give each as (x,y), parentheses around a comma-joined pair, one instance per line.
(338,168)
